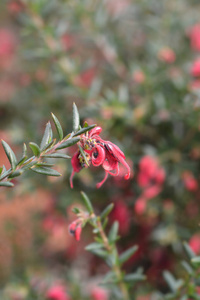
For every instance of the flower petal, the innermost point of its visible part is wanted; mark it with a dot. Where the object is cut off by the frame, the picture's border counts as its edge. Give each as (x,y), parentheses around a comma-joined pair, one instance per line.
(98,155)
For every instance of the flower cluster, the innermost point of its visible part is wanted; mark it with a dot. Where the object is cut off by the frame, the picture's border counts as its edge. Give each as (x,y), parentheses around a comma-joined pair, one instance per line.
(150,178)
(98,152)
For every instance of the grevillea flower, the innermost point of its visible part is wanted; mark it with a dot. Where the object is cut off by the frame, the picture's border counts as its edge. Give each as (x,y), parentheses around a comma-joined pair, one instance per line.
(75,228)
(195,69)
(99,293)
(151,177)
(194,35)
(98,153)
(57,292)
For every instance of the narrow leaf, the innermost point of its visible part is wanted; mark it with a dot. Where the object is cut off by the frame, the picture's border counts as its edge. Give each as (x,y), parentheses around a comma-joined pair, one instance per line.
(196,260)
(85,129)
(46,171)
(134,277)
(21,161)
(87,202)
(187,267)
(127,254)
(5,174)
(83,155)
(93,246)
(106,211)
(75,210)
(57,155)
(35,148)
(47,137)
(10,154)
(188,250)
(171,281)
(24,153)
(58,126)
(15,173)
(99,252)
(76,118)
(44,164)
(68,143)
(113,232)
(6,184)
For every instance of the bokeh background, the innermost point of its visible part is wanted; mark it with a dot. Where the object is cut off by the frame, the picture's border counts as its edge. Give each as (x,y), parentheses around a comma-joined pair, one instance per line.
(132,67)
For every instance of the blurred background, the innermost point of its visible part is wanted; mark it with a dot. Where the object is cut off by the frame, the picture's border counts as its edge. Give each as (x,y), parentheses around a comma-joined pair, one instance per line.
(132,67)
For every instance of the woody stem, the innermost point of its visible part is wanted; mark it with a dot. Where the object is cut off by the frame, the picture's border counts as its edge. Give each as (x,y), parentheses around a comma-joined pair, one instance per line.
(115,267)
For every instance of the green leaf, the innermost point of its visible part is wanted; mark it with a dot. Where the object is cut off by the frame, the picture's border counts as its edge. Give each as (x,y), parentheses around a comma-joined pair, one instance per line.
(100,252)
(1,170)
(187,267)
(85,129)
(6,184)
(10,154)
(134,277)
(106,211)
(127,254)
(46,171)
(47,137)
(76,118)
(15,173)
(5,173)
(93,246)
(24,153)
(56,155)
(87,202)
(50,145)
(29,162)
(113,232)
(44,164)
(58,126)
(173,284)
(35,148)
(75,210)
(68,143)
(188,250)
(196,260)
(21,161)
(83,155)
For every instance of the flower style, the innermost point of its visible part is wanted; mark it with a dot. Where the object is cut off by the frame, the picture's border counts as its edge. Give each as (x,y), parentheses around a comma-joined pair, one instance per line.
(98,153)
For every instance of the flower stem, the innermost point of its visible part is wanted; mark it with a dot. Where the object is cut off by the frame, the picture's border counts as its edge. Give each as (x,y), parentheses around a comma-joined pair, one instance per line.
(115,267)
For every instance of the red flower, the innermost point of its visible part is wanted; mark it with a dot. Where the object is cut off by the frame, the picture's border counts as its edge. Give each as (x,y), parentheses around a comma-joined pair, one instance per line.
(99,153)
(57,292)
(98,293)
(195,70)
(195,243)
(151,177)
(121,213)
(194,35)
(167,55)
(190,182)
(75,229)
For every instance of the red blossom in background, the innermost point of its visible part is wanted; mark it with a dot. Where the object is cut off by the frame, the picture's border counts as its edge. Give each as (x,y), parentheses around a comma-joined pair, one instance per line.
(167,55)
(99,152)
(195,69)
(194,35)
(99,293)
(57,292)
(151,176)
(189,181)
(194,243)
(121,214)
